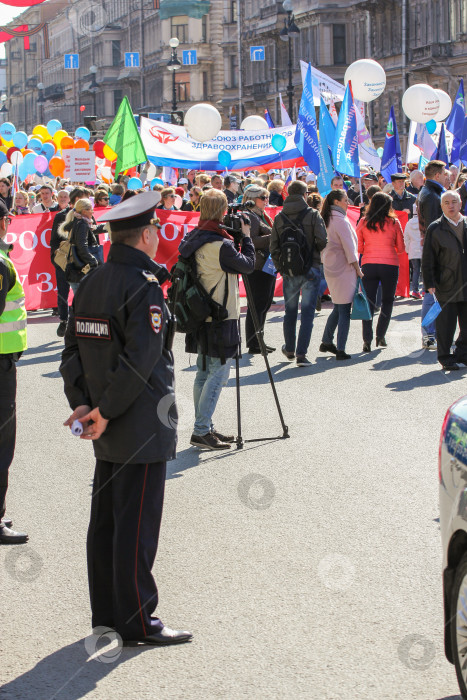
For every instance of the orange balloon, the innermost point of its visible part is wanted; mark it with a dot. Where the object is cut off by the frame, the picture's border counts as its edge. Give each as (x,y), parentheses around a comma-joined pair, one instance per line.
(25,151)
(66,142)
(82,143)
(57,166)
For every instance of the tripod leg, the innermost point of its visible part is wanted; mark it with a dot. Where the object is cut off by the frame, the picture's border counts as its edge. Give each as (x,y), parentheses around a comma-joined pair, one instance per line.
(239,439)
(260,335)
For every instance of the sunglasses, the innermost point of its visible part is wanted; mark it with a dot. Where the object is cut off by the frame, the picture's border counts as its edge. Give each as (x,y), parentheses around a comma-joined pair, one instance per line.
(263,197)
(171,196)
(103,198)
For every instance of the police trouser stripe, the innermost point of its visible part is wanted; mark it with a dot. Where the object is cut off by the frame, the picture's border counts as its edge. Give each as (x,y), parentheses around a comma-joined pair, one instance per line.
(137,546)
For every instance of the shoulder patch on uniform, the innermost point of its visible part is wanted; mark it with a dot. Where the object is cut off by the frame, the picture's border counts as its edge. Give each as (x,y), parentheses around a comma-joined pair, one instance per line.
(155,318)
(150,276)
(86,327)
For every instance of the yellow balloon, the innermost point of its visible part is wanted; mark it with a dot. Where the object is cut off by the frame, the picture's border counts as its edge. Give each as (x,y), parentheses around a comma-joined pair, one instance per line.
(58,136)
(3,149)
(41,131)
(109,154)
(8,144)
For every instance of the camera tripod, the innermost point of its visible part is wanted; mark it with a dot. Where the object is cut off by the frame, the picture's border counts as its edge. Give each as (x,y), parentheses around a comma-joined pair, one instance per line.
(260,336)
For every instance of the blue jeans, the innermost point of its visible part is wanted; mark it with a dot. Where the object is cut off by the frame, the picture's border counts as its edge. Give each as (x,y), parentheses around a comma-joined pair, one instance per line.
(427,303)
(416,264)
(206,391)
(308,285)
(338,318)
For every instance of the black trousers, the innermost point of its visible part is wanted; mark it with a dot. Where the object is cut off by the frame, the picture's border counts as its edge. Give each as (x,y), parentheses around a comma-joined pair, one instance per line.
(122,541)
(262,290)
(374,273)
(63,290)
(446,323)
(7,423)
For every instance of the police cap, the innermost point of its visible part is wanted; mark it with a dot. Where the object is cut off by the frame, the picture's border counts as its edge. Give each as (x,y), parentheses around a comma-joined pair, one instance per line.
(398,176)
(136,212)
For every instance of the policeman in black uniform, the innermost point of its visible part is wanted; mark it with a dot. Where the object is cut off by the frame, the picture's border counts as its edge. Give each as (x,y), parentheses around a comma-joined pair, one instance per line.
(118,370)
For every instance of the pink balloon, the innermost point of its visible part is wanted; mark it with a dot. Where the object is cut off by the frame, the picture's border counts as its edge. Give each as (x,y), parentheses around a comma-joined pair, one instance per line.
(41,164)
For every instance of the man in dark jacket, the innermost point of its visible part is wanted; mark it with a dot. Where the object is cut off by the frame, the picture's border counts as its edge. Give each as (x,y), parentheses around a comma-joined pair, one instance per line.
(444,266)
(402,200)
(217,343)
(429,210)
(231,185)
(297,212)
(119,380)
(63,286)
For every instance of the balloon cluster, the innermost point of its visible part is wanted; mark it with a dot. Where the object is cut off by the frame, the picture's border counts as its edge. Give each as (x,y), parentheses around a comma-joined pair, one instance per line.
(41,152)
(426,105)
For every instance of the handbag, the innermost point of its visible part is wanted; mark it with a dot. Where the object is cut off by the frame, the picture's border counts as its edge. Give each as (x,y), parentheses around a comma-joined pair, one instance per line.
(360,306)
(432,314)
(62,254)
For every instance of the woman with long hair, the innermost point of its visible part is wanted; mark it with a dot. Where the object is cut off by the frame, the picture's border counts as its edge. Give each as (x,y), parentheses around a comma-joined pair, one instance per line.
(341,269)
(195,199)
(167,199)
(380,240)
(79,224)
(262,283)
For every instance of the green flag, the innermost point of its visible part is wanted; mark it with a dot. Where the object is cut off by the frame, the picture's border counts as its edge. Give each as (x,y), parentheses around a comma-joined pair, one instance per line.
(123,138)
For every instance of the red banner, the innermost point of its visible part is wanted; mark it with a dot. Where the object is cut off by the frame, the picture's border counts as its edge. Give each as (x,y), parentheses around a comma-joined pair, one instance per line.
(30,235)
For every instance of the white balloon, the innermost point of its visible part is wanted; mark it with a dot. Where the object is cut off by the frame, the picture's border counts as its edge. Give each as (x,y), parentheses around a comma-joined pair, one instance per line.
(178,201)
(6,170)
(17,158)
(445,105)
(106,172)
(368,79)
(151,174)
(254,123)
(203,122)
(420,103)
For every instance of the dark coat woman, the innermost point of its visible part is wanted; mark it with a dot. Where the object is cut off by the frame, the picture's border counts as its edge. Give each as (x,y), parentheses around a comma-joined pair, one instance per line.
(83,240)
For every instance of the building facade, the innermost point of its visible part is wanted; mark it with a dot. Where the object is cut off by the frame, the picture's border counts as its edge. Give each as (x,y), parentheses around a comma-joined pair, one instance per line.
(415,40)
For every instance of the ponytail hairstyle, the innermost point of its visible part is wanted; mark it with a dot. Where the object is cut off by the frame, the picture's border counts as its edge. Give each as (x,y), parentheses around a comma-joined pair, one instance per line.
(81,206)
(333,198)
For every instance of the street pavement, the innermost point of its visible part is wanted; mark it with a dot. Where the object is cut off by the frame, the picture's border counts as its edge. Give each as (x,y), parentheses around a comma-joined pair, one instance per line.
(305,568)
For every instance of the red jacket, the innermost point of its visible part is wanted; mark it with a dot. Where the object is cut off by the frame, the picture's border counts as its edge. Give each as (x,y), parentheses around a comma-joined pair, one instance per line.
(380,246)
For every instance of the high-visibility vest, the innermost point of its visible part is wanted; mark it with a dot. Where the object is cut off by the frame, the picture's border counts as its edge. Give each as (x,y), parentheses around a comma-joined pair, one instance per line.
(13,334)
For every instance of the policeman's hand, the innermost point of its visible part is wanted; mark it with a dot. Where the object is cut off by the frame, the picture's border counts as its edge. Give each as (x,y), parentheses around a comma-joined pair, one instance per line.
(96,428)
(245,228)
(77,414)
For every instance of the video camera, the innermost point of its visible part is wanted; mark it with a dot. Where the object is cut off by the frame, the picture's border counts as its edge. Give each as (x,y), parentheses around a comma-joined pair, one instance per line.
(233,220)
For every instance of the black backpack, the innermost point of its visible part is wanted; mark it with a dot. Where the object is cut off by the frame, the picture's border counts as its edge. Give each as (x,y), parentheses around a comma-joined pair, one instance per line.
(294,248)
(189,301)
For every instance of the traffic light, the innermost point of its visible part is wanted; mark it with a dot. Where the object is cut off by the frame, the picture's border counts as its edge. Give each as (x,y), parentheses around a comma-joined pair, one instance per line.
(177,117)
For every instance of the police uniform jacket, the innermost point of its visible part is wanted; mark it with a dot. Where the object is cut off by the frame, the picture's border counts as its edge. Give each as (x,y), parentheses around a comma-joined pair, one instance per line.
(115,357)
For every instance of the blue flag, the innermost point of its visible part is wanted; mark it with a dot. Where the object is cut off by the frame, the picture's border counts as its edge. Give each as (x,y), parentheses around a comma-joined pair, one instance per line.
(442,150)
(306,135)
(391,161)
(326,126)
(455,123)
(422,163)
(463,145)
(268,118)
(326,171)
(345,148)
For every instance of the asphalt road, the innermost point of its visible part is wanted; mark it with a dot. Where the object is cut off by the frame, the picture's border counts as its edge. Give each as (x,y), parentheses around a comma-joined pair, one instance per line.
(306,568)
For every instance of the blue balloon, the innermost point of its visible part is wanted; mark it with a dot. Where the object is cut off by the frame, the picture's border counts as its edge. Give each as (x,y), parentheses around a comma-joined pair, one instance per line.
(134,183)
(7,130)
(35,145)
(48,151)
(156,181)
(3,158)
(20,139)
(82,133)
(431,126)
(279,142)
(224,158)
(53,126)
(28,163)
(23,171)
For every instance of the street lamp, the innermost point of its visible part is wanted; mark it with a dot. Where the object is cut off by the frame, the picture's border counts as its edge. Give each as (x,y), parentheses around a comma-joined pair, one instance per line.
(94,87)
(287,33)
(41,101)
(174,65)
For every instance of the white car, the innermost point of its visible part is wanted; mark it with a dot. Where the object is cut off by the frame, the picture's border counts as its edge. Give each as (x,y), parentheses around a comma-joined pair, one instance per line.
(453,522)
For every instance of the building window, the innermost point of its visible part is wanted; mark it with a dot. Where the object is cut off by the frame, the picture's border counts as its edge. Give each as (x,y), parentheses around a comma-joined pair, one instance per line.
(233,11)
(233,69)
(338,40)
(182,86)
(204,29)
(205,86)
(116,53)
(118,97)
(179,28)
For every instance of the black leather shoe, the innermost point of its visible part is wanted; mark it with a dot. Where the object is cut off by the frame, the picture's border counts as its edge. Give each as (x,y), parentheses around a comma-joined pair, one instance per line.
(450,367)
(163,638)
(223,438)
(328,347)
(6,522)
(341,355)
(366,347)
(8,536)
(381,342)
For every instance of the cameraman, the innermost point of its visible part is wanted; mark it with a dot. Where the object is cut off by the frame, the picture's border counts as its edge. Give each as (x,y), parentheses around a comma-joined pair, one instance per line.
(217,343)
